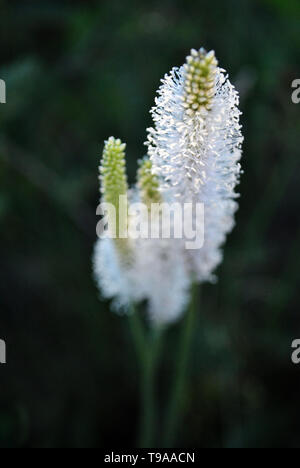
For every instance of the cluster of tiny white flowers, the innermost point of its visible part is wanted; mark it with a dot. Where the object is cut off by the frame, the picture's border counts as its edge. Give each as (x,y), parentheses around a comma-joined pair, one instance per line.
(196,152)
(152,271)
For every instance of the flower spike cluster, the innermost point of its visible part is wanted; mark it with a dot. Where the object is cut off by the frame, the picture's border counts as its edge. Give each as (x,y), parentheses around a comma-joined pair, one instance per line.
(113,170)
(196,152)
(193,153)
(114,184)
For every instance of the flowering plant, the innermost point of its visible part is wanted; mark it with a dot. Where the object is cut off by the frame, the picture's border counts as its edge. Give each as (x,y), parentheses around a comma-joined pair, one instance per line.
(193,157)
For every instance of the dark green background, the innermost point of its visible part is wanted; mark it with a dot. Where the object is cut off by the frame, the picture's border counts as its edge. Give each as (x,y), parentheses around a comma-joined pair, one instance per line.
(76,73)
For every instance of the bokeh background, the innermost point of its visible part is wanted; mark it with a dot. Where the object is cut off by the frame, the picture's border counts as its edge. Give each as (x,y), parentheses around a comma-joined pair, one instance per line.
(76,73)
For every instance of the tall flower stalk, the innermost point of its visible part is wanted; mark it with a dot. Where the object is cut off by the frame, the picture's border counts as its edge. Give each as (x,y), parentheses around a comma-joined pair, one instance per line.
(194,148)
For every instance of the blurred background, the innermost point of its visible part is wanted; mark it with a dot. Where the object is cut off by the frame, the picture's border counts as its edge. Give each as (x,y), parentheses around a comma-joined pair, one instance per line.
(77,72)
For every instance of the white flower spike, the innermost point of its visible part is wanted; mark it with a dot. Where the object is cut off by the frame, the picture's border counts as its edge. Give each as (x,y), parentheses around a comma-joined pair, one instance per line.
(135,270)
(195,147)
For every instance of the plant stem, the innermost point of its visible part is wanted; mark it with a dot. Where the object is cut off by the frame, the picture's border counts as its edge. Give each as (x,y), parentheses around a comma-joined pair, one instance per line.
(174,408)
(147,349)
(138,333)
(148,414)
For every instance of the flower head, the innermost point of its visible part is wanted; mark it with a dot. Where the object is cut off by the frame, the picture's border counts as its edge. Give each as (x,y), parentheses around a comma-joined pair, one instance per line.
(113,170)
(114,184)
(195,146)
(154,266)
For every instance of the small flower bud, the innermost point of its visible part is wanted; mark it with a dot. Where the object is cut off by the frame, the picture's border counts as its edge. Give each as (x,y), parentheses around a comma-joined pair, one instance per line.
(114,183)
(148,183)
(199,80)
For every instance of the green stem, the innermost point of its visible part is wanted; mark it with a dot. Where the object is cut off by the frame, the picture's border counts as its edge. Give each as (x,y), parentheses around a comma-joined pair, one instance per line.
(148,352)
(148,413)
(174,408)
(138,333)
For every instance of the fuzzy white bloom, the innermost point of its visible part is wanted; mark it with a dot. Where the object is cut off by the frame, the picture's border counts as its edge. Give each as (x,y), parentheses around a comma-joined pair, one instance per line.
(195,147)
(138,269)
(162,276)
(111,274)
(154,273)
(161,272)
(117,277)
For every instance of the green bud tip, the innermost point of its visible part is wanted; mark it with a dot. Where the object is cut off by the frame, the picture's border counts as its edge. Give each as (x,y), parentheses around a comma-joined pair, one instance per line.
(199,83)
(114,182)
(148,183)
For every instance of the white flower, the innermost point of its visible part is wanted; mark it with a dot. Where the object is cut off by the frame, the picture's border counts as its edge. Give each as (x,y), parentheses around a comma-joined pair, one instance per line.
(163,277)
(111,274)
(138,269)
(156,274)
(195,147)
